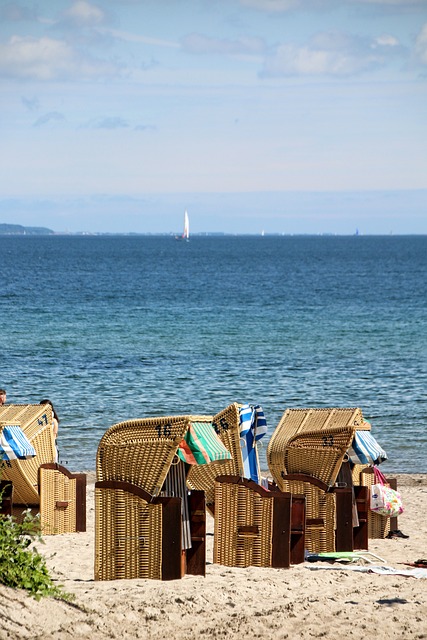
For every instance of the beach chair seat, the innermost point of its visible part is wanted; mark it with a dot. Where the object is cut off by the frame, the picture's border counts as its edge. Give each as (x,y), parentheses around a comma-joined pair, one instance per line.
(252,525)
(141,497)
(37,478)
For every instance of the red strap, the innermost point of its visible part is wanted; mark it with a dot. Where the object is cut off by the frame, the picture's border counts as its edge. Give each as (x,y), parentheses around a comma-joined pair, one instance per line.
(379,476)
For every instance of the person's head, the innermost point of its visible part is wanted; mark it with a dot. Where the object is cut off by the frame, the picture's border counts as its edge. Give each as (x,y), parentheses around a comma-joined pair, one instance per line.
(2,396)
(46,401)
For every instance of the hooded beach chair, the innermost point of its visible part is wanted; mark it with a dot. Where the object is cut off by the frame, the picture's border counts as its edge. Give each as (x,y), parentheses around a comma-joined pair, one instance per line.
(305,455)
(239,427)
(39,483)
(142,525)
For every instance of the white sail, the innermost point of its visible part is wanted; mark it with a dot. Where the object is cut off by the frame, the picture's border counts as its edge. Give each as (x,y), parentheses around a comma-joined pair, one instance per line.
(186,232)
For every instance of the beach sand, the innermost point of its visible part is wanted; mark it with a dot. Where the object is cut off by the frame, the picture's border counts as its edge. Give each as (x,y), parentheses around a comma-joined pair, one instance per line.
(300,602)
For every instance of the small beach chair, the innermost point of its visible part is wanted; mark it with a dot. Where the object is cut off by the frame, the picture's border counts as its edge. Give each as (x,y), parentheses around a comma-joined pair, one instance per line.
(146,525)
(379,526)
(233,427)
(252,525)
(363,476)
(305,455)
(39,483)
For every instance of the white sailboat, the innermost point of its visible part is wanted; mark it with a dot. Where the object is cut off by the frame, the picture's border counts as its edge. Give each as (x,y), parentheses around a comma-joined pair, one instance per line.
(186,233)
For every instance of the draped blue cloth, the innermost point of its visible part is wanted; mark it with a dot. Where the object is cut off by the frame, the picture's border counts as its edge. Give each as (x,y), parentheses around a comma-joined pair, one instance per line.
(365,449)
(253,427)
(14,445)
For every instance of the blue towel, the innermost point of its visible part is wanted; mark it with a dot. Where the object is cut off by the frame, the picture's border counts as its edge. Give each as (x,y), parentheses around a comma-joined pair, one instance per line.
(365,449)
(14,444)
(253,426)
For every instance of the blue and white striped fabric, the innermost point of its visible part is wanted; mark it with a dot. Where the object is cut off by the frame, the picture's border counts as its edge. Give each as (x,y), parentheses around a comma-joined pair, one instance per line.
(365,449)
(253,426)
(14,445)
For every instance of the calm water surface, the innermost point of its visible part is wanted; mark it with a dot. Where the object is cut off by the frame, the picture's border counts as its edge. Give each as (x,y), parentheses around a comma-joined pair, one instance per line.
(112,328)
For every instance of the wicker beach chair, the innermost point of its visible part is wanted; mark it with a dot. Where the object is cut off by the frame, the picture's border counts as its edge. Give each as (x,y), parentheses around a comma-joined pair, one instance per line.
(39,483)
(227,425)
(305,455)
(252,525)
(138,525)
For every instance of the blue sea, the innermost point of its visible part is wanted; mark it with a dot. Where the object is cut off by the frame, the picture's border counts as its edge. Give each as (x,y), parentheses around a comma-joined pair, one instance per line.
(118,327)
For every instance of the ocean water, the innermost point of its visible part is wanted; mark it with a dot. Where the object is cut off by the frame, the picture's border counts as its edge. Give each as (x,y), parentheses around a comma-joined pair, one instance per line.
(113,328)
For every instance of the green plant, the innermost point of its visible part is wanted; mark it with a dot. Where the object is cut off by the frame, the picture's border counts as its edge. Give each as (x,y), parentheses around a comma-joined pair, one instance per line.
(22,567)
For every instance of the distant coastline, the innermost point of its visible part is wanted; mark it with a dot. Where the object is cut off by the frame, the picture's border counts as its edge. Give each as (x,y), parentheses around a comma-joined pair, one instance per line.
(19,230)
(7,229)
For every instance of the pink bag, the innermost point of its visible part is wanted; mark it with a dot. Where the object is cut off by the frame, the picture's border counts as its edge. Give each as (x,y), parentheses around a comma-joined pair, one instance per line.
(385,500)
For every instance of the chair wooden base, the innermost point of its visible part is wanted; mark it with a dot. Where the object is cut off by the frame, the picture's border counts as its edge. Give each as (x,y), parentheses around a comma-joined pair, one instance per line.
(298,524)
(348,537)
(252,525)
(62,500)
(140,536)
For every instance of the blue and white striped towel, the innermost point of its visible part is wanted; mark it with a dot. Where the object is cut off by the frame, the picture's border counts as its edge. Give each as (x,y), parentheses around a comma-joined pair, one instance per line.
(365,449)
(14,445)
(253,426)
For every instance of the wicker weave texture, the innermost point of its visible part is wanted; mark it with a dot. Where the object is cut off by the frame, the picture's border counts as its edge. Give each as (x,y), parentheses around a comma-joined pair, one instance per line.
(319,538)
(227,426)
(378,525)
(141,451)
(237,509)
(58,503)
(36,423)
(318,454)
(128,536)
(312,441)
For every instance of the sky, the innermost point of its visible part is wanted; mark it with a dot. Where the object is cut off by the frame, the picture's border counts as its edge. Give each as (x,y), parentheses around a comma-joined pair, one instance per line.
(282,116)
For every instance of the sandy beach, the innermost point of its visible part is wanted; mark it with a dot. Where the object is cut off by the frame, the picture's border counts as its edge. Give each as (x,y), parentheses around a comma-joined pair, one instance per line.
(305,601)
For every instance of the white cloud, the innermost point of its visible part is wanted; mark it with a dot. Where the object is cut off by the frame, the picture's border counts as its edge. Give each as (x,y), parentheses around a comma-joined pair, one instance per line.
(48,59)
(291,60)
(331,53)
(271,6)
(421,45)
(139,38)
(83,14)
(197,43)
(385,40)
